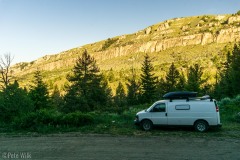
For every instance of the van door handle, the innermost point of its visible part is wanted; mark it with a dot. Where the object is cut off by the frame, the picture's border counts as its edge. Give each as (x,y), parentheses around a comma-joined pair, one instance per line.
(165,114)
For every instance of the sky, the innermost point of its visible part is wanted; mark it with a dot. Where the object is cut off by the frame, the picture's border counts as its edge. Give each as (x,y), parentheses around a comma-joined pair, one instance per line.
(30,29)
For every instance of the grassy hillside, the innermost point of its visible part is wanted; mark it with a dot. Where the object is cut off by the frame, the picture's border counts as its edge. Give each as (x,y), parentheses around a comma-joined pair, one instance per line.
(184,41)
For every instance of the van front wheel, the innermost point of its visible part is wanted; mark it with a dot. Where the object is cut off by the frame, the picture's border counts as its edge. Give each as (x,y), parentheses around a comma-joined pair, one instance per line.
(147,125)
(201,126)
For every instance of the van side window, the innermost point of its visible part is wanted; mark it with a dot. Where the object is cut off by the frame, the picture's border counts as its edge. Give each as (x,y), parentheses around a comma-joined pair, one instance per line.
(161,107)
(182,107)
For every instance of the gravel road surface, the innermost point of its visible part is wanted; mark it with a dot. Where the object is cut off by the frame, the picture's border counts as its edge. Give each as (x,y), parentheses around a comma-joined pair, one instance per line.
(106,147)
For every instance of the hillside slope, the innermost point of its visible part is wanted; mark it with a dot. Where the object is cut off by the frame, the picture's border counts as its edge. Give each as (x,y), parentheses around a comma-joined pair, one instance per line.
(184,41)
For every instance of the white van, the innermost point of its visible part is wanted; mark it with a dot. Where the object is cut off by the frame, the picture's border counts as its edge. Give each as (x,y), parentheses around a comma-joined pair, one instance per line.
(181,109)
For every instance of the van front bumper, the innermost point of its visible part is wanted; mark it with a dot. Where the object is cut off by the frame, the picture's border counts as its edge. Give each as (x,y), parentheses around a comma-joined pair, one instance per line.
(136,121)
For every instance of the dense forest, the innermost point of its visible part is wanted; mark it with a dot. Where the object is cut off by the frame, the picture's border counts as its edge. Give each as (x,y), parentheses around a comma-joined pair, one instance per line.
(88,93)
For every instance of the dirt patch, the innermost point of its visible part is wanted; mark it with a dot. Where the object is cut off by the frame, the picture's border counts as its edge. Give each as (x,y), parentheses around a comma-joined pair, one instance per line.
(104,147)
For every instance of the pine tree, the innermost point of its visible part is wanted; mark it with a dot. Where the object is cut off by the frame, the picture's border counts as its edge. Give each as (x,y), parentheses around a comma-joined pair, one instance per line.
(39,92)
(172,78)
(194,80)
(133,89)
(120,97)
(181,85)
(56,98)
(161,88)
(223,87)
(110,76)
(228,85)
(234,71)
(88,90)
(148,81)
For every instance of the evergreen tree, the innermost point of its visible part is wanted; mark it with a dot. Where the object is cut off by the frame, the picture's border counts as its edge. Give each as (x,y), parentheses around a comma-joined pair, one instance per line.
(194,80)
(74,101)
(88,89)
(174,82)
(224,87)
(181,85)
(238,12)
(172,78)
(216,86)
(161,88)
(234,71)
(111,77)
(14,102)
(56,98)
(39,92)
(101,94)
(228,85)
(133,89)
(120,97)
(148,81)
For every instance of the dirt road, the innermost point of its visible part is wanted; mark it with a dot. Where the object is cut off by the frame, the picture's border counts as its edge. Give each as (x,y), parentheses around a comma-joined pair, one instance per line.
(104,147)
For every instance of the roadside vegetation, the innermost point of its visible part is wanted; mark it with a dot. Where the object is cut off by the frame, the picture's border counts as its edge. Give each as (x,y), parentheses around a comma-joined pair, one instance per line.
(88,104)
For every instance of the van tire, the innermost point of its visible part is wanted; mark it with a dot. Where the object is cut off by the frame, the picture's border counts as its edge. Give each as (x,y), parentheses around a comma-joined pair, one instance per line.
(146,125)
(201,126)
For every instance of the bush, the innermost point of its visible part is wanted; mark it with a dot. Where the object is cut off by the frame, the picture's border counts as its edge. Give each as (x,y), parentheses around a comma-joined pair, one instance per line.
(236,101)
(77,119)
(228,104)
(36,119)
(238,13)
(52,118)
(108,43)
(230,109)
(224,102)
(25,121)
(237,117)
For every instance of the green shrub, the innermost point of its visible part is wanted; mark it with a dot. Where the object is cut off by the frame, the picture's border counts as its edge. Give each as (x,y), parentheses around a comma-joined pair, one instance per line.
(108,43)
(238,13)
(236,101)
(27,121)
(36,119)
(45,117)
(237,117)
(52,118)
(230,104)
(230,109)
(77,119)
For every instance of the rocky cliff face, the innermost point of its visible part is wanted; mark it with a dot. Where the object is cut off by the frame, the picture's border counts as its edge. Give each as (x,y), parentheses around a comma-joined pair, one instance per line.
(201,30)
(217,32)
(224,36)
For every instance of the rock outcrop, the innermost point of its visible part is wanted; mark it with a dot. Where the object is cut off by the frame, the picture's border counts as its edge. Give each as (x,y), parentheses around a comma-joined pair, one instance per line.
(233,19)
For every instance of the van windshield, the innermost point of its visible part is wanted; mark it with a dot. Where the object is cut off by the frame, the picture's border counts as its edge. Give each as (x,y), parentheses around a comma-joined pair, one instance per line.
(149,109)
